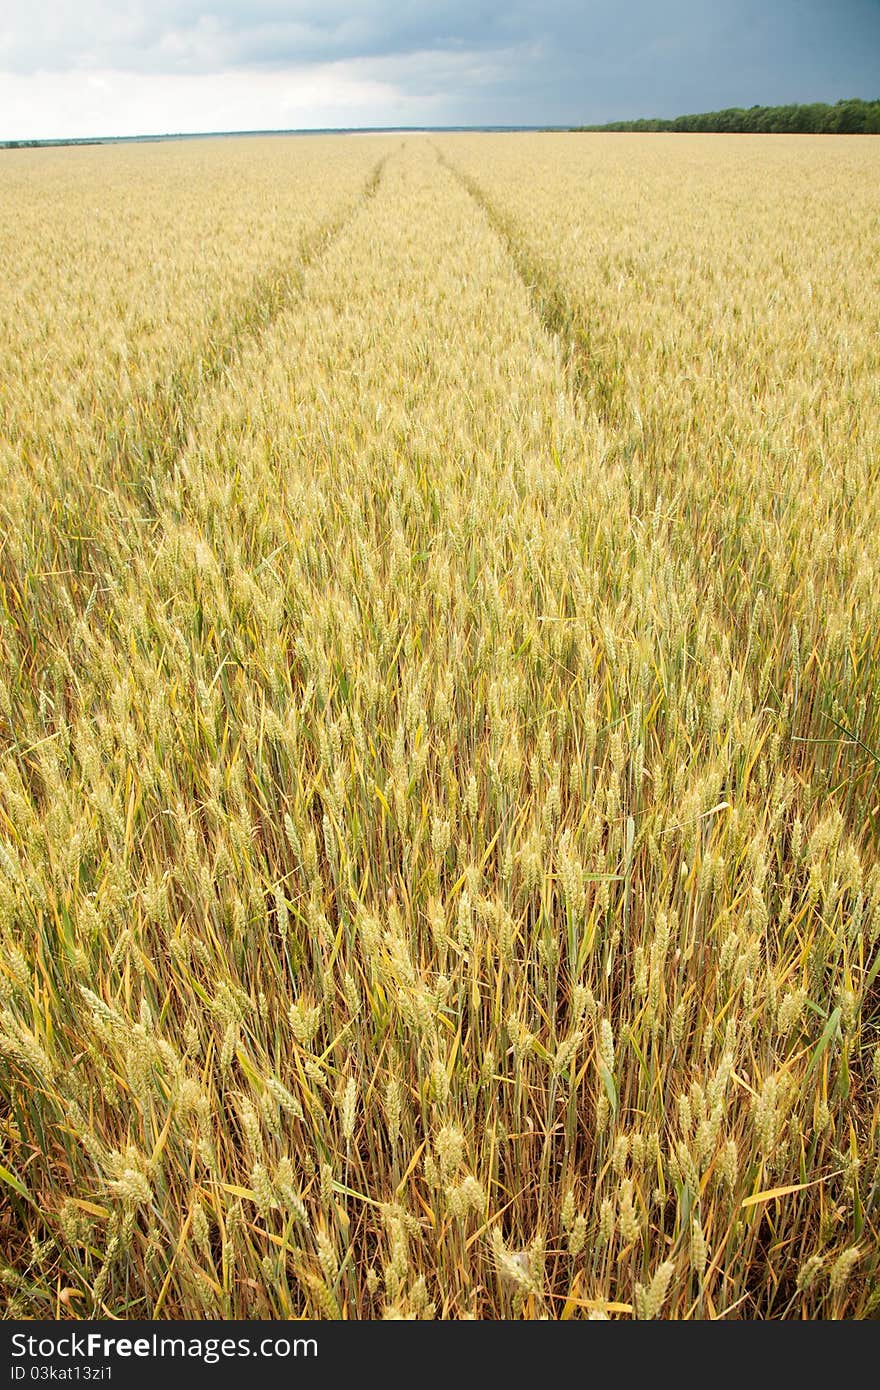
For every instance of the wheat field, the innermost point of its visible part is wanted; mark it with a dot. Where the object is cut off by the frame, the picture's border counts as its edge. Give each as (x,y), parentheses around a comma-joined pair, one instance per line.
(440,728)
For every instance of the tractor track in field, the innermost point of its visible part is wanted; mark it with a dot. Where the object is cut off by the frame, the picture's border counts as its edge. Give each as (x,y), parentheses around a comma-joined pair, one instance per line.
(595,371)
(147,435)
(152,431)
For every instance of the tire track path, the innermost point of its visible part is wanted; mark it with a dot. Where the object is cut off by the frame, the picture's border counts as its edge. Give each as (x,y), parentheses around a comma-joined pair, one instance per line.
(154,429)
(596,373)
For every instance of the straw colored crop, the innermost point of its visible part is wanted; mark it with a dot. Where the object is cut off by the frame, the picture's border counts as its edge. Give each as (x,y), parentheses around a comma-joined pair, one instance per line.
(439,729)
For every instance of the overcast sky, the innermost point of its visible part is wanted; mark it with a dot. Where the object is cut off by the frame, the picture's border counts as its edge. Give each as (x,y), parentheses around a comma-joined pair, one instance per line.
(126,67)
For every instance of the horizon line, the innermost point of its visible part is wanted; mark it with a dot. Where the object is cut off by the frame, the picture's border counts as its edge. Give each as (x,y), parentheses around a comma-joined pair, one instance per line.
(38,141)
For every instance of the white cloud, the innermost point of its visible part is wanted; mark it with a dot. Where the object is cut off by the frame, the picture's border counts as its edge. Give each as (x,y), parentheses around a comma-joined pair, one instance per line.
(104,67)
(422,87)
(212,35)
(51,105)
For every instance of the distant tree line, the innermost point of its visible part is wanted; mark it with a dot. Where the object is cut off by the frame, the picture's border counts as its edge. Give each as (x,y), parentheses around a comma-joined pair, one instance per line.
(41,144)
(850,117)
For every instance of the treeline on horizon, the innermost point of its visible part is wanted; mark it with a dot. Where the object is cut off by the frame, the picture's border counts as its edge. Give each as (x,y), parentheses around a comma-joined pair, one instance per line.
(849,117)
(38,144)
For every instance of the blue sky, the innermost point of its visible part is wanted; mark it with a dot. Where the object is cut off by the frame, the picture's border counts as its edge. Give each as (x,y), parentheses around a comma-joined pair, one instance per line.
(124,67)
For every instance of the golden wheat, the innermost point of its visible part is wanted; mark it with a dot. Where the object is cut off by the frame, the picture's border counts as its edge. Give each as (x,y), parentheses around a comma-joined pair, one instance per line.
(439,731)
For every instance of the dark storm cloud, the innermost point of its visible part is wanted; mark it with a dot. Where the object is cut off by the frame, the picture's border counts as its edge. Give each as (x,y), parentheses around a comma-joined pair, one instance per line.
(184,35)
(557,61)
